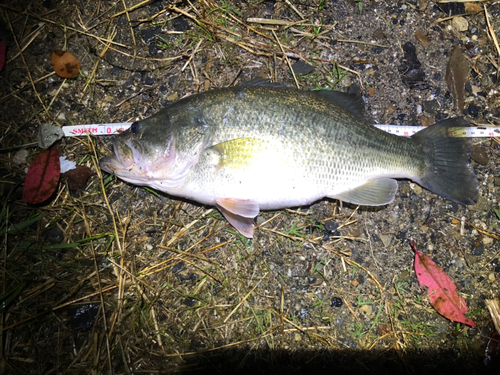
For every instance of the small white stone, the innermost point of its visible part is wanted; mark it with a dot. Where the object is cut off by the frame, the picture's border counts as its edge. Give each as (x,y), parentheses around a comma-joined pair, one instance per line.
(460,23)
(487,240)
(20,157)
(366,310)
(416,188)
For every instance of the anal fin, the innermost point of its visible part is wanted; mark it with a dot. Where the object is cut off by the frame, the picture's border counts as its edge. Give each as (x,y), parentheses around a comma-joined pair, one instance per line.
(376,192)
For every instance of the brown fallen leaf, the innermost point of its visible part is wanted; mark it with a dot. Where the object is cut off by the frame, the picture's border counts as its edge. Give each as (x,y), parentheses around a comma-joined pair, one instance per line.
(472,8)
(457,74)
(422,38)
(426,120)
(76,178)
(65,64)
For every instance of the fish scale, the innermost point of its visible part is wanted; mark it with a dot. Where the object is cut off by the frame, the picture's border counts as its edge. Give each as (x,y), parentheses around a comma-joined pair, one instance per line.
(261,146)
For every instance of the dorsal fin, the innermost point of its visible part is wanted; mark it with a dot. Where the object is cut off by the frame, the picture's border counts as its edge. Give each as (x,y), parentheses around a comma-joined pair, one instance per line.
(262,82)
(352,103)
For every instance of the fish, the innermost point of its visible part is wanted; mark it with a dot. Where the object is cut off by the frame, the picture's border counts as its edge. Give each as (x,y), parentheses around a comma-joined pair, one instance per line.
(263,146)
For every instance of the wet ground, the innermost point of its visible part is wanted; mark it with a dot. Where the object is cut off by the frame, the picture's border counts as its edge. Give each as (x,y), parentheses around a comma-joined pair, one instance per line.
(115,278)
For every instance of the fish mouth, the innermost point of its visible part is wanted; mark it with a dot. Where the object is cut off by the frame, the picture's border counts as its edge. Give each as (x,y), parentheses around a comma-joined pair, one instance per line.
(108,164)
(138,164)
(122,161)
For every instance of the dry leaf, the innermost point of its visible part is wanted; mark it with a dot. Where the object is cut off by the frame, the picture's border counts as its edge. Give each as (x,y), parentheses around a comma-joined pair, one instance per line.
(420,36)
(472,8)
(43,177)
(65,64)
(422,5)
(457,74)
(76,178)
(441,291)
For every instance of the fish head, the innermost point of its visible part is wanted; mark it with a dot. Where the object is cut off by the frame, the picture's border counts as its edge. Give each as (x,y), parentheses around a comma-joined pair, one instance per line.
(158,151)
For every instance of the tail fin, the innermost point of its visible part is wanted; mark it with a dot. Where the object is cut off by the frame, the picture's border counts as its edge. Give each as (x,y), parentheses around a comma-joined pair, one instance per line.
(448,171)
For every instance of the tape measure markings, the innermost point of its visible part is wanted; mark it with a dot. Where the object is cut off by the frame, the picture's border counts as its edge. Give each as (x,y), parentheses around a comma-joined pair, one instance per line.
(401,130)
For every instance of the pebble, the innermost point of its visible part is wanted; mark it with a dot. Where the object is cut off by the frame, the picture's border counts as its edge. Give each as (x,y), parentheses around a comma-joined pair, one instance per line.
(478,250)
(452,206)
(367,310)
(173,97)
(352,230)
(487,240)
(479,155)
(149,34)
(416,188)
(431,106)
(336,302)
(331,226)
(481,205)
(84,317)
(181,24)
(301,68)
(21,157)
(54,234)
(491,277)
(460,23)
(404,276)
(386,239)
(49,134)
(473,110)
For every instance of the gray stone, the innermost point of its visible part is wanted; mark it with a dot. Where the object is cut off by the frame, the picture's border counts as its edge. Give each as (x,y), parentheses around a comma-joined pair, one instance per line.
(48,135)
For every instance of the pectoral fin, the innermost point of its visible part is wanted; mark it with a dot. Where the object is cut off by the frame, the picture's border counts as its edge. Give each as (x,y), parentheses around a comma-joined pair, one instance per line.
(240,152)
(373,193)
(240,213)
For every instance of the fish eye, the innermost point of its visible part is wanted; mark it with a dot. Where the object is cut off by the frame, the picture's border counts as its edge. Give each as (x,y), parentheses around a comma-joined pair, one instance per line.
(133,128)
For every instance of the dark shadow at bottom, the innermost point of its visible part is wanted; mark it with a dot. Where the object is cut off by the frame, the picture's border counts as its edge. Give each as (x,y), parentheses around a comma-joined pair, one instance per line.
(240,361)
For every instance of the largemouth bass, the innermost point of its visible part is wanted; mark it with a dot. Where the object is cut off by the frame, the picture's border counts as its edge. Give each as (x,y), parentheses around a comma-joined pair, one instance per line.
(261,146)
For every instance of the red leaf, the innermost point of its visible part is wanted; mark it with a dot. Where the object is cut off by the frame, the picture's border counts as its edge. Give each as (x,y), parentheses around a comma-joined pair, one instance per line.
(441,291)
(3,47)
(43,177)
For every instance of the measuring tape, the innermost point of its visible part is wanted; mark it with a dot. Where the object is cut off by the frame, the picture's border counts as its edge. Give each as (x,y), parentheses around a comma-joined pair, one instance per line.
(468,132)
(401,130)
(95,129)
